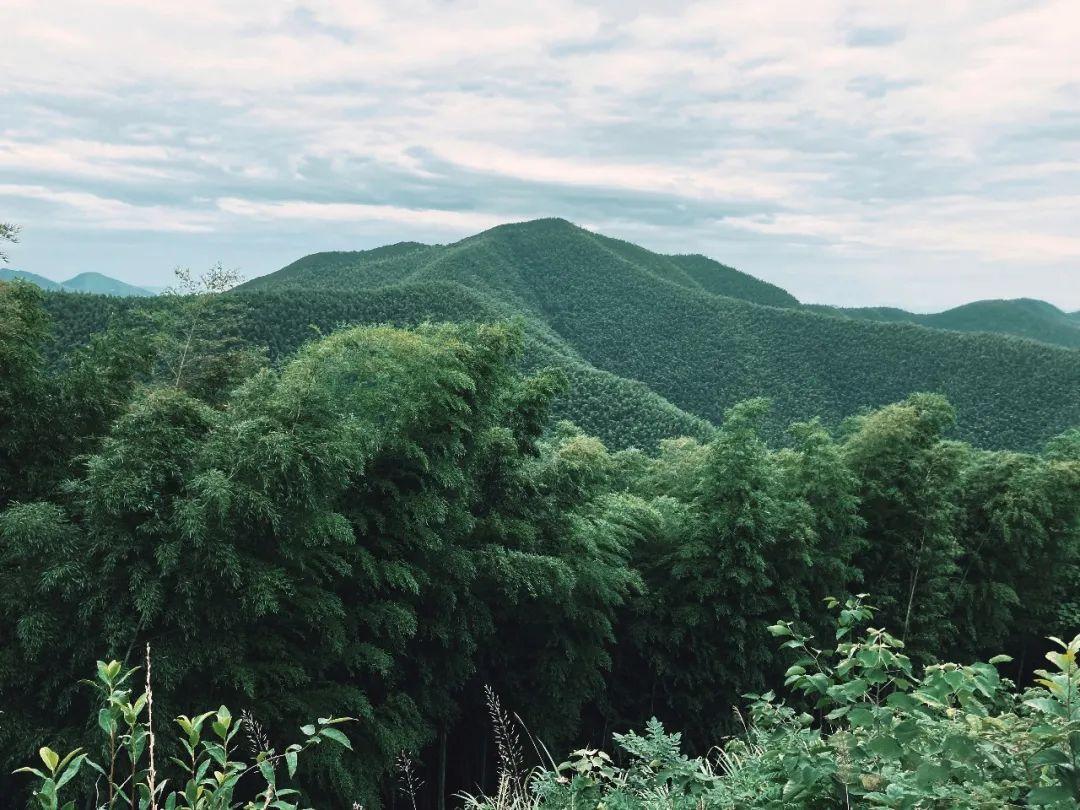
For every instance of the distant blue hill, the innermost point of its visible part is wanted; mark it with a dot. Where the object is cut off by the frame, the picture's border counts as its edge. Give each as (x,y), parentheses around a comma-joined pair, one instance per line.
(21,275)
(102,285)
(84,283)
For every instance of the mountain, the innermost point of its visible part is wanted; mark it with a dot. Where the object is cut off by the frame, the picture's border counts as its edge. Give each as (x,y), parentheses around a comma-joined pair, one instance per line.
(1023,317)
(654,346)
(701,335)
(7,274)
(102,285)
(82,283)
(392,263)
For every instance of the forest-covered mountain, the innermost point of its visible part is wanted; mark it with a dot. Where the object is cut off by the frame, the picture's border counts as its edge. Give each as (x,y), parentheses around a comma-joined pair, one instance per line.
(95,283)
(1023,317)
(696,332)
(654,345)
(622,411)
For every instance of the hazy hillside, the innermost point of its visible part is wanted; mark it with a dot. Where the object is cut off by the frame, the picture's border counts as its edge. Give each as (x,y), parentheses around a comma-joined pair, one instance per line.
(650,318)
(1023,317)
(7,274)
(82,283)
(102,285)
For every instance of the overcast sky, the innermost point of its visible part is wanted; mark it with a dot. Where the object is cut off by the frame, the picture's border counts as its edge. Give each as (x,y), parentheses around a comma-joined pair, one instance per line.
(919,154)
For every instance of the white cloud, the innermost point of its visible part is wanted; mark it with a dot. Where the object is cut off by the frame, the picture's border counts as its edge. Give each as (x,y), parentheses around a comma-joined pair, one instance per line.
(93,159)
(896,134)
(462,222)
(992,231)
(726,181)
(84,210)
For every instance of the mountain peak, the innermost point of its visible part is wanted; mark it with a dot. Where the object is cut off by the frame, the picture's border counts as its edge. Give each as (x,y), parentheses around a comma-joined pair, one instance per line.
(553,225)
(89,282)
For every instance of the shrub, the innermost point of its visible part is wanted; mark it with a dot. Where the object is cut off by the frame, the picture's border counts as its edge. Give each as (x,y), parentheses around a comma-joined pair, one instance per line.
(864,727)
(208,770)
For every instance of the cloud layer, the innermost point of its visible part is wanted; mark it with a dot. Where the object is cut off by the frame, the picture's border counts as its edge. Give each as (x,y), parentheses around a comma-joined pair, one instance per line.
(920,154)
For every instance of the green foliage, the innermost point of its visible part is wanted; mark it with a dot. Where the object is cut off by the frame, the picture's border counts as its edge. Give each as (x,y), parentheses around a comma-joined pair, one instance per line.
(727,534)
(710,590)
(972,551)
(1018,523)
(23,328)
(208,771)
(640,316)
(622,412)
(8,233)
(350,532)
(73,406)
(381,521)
(882,733)
(199,335)
(908,478)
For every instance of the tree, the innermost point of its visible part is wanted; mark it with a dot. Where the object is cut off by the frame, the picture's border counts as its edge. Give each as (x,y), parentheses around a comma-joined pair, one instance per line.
(821,491)
(8,233)
(1019,520)
(908,480)
(556,571)
(52,413)
(200,334)
(24,327)
(334,537)
(714,570)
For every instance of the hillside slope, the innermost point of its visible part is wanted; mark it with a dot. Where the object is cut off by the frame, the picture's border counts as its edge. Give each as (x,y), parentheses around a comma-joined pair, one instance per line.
(634,314)
(1022,317)
(622,412)
(7,274)
(102,285)
(393,263)
(95,283)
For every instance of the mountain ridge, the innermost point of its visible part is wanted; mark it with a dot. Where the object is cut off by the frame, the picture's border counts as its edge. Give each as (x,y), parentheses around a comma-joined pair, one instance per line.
(650,349)
(7,274)
(88,282)
(1029,318)
(642,317)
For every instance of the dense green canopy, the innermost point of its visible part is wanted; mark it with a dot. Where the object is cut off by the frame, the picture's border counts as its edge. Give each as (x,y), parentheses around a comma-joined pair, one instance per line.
(388,519)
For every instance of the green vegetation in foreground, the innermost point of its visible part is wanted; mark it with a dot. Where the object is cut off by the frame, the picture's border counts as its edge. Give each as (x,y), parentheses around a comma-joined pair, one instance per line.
(209,775)
(866,728)
(386,521)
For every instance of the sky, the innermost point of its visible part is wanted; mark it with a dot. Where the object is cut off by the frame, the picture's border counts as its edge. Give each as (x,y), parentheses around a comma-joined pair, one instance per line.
(917,154)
